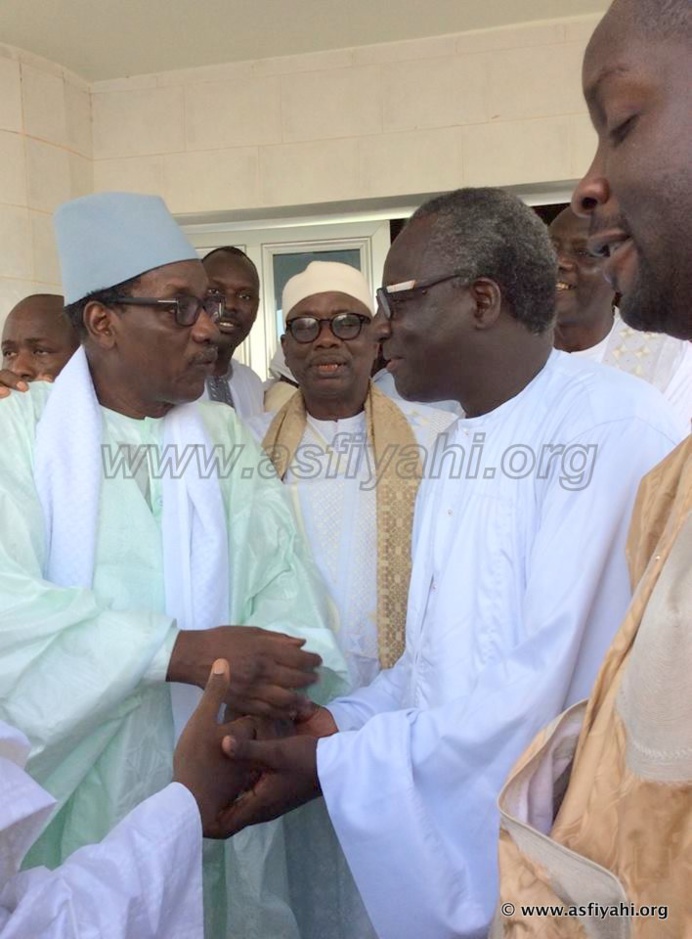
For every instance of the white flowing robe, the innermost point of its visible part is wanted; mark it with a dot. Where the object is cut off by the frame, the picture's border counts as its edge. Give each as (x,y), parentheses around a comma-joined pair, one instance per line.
(662,360)
(519,583)
(82,671)
(143,882)
(332,486)
(247,390)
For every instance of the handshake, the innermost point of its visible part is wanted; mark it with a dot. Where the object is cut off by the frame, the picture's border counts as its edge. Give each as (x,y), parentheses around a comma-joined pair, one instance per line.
(251,769)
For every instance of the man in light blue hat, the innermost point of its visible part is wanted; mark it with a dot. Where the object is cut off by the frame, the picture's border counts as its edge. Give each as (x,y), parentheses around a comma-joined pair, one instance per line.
(136,524)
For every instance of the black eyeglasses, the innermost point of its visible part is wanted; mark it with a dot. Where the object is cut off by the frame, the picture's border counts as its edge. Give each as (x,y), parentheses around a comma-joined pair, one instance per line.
(389,297)
(344,326)
(186,309)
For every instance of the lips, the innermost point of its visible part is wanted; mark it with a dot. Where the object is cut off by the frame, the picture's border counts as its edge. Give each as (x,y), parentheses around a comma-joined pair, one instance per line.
(206,361)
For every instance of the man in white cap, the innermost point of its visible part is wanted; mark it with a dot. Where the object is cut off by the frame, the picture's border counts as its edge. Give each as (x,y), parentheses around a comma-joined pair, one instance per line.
(135,525)
(352,459)
(233,274)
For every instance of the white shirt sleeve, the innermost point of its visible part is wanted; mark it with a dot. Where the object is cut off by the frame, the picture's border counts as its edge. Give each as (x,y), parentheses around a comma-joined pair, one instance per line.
(144,881)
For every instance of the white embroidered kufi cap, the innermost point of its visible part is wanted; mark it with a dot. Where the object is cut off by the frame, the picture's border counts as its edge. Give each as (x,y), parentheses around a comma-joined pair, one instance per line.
(326,277)
(111,237)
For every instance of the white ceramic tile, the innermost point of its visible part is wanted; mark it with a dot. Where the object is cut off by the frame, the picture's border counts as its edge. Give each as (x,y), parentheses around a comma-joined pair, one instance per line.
(48,175)
(134,83)
(78,119)
(412,162)
(45,255)
(307,173)
(130,174)
(10,95)
(523,83)
(211,181)
(433,47)
(137,123)
(519,36)
(338,103)
(581,28)
(583,144)
(434,93)
(517,152)
(43,99)
(240,113)
(307,62)
(15,243)
(12,291)
(81,175)
(13,175)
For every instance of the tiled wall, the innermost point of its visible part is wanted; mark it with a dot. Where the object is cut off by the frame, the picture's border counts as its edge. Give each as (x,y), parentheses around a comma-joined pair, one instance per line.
(492,107)
(45,158)
(497,107)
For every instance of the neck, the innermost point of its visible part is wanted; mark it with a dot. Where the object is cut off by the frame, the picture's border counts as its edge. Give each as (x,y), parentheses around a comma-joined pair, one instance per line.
(577,336)
(500,376)
(328,410)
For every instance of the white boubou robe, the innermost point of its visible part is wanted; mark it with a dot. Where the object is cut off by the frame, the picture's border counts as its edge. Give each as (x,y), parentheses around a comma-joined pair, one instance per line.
(82,669)
(519,583)
(144,881)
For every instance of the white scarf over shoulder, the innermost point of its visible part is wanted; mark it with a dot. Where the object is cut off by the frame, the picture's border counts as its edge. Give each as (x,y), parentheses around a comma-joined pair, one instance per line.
(68,474)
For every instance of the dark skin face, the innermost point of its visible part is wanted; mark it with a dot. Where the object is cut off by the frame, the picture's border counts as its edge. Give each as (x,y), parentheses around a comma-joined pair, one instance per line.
(455,341)
(234,277)
(332,373)
(142,362)
(638,191)
(584,302)
(37,340)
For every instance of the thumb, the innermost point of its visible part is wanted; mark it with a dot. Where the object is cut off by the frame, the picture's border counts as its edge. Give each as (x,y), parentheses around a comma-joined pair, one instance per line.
(216,688)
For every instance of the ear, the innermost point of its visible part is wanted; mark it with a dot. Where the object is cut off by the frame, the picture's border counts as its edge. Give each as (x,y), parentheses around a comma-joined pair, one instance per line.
(487,298)
(100,323)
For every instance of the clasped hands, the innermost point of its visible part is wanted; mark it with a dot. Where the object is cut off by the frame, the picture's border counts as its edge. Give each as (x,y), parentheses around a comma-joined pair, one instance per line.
(256,767)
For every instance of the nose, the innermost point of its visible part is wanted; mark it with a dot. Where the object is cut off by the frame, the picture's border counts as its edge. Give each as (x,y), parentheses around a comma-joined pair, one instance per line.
(24,366)
(564,261)
(204,329)
(592,190)
(325,336)
(381,326)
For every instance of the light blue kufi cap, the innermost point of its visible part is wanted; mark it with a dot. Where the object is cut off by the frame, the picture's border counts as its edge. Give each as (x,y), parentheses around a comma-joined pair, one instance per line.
(111,237)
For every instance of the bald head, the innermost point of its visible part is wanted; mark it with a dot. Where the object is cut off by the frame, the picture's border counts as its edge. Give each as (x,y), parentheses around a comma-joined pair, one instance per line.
(655,19)
(37,339)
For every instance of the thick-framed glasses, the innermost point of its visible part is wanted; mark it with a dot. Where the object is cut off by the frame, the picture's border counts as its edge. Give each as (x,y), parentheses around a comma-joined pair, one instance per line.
(344,326)
(390,297)
(186,309)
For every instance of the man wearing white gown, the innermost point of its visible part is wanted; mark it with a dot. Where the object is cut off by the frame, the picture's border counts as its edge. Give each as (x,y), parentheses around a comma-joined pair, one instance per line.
(328,441)
(144,881)
(137,526)
(519,576)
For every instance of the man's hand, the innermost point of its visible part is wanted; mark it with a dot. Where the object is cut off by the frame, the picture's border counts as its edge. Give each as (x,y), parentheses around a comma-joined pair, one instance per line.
(287,777)
(11,382)
(315,721)
(199,762)
(267,668)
